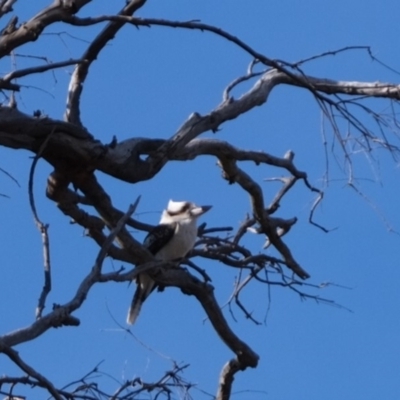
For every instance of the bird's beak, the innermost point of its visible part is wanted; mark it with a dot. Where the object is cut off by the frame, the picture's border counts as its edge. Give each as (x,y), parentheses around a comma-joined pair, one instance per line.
(200,210)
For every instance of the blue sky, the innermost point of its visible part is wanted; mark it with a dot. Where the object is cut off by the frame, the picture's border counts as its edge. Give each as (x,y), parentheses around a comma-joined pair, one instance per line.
(146,83)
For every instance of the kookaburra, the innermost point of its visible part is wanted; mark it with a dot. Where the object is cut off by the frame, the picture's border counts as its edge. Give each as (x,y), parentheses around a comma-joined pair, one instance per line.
(172,239)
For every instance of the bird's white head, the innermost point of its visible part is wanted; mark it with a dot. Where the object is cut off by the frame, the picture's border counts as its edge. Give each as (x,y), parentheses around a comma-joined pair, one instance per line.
(182,210)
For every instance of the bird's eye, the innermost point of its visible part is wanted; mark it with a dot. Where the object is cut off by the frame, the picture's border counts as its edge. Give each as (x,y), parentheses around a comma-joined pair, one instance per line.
(185,207)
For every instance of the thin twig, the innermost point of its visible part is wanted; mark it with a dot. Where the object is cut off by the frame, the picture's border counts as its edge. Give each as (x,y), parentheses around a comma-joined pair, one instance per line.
(43,229)
(41,68)
(14,356)
(113,234)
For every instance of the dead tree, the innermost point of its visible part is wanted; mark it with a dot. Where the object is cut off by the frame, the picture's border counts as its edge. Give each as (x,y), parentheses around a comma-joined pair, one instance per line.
(76,155)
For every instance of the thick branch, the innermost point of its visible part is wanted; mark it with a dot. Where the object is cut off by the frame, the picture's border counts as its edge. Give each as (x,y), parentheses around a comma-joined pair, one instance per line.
(31,30)
(226,379)
(6,6)
(88,185)
(204,293)
(124,160)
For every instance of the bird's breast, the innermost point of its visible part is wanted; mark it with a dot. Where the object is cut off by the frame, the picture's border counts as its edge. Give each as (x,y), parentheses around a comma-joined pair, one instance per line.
(180,244)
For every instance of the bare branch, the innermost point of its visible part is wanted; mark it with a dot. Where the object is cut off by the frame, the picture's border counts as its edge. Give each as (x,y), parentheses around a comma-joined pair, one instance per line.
(39,69)
(31,30)
(87,387)
(234,174)
(10,176)
(76,155)
(113,234)
(43,229)
(61,314)
(332,53)
(204,293)
(6,6)
(88,185)
(123,160)
(226,379)
(13,355)
(72,113)
(174,24)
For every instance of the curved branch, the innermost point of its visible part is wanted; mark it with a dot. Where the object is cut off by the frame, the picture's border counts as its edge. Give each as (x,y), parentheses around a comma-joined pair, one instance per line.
(204,293)
(123,160)
(234,174)
(62,313)
(175,24)
(43,229)
(6,6)
(31,30)
(72,113)
(38,69)
(14,356)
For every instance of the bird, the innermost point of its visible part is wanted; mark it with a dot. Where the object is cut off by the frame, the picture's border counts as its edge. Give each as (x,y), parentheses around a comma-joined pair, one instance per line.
(171,239)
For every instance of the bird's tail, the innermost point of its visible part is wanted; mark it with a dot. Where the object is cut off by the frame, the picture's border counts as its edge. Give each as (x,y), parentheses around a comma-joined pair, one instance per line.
(145,285)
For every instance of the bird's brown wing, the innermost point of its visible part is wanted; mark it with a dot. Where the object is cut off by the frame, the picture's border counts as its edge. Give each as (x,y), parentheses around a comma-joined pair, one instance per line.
(159,237)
